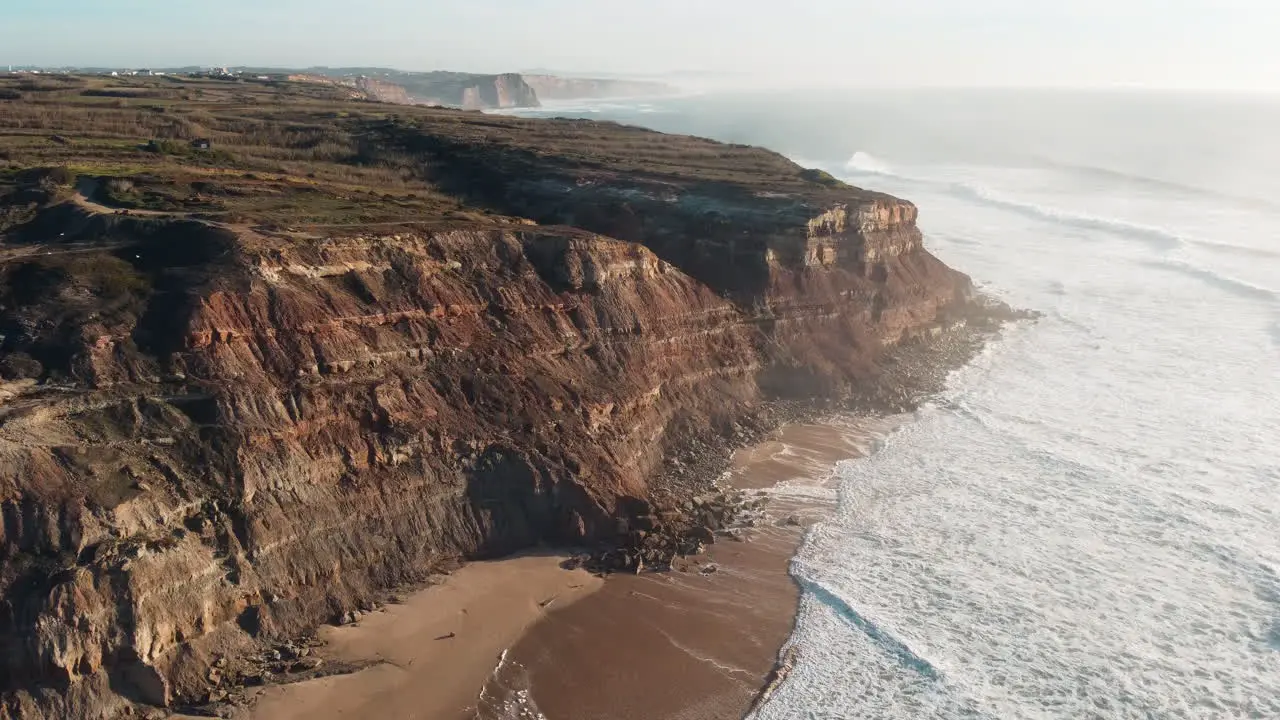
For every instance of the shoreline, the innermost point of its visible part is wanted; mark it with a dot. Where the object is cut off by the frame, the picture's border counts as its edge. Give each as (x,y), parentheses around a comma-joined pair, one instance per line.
(674,648)
(426,657)
(705,639)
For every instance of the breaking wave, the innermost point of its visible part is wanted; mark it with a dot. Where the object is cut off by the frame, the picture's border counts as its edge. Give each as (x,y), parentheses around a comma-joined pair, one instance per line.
(1236,287)
(1158,184)
(891,645)
(1159,238)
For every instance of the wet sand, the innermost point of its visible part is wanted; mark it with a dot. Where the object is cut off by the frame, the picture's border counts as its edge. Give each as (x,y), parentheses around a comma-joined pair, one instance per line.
(420,672)
(692,645)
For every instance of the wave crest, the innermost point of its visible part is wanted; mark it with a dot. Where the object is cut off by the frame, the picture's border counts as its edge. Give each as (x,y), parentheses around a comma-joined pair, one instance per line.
(1239,288)
(893,646)
(1159,238)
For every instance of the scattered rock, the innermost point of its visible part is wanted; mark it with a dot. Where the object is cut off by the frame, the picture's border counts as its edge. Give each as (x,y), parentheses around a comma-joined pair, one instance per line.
(703,534)
(306,665)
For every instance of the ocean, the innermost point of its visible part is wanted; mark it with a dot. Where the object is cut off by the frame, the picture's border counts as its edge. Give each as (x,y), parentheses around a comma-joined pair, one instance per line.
(1086,523)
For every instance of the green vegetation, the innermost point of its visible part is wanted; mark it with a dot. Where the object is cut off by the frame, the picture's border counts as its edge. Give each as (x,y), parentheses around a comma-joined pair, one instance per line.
(822,177)
(281,155)
(290,154)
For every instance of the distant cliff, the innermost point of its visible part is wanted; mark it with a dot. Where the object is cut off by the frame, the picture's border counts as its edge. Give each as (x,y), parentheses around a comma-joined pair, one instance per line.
(552,87)
(468,91)
(471,91)
(449,89)
(360,88)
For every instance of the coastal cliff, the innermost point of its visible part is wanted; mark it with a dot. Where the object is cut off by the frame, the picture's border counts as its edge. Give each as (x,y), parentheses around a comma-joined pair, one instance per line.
(500,91)
(217,432)
(468,91)
(555,87)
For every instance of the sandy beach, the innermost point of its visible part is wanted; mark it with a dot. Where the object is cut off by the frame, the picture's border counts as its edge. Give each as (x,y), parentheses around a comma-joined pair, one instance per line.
(433,652)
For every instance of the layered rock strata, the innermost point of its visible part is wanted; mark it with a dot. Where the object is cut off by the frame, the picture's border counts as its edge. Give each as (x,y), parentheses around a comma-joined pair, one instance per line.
(281,426)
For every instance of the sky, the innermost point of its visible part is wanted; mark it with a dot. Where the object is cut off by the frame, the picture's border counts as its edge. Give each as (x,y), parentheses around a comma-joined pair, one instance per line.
(1190,44)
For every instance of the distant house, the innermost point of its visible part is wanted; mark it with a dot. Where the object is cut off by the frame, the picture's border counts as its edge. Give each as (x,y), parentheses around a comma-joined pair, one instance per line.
(202,143)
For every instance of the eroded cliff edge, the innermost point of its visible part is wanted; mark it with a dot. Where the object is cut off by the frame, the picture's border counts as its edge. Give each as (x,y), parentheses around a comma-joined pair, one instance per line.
(237,432)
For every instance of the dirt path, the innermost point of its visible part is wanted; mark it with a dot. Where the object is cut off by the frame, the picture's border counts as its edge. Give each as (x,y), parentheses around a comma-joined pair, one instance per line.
(24,252)
(87,187)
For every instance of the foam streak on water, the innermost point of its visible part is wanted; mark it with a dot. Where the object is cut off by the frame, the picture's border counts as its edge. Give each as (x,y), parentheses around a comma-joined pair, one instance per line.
(1084,525)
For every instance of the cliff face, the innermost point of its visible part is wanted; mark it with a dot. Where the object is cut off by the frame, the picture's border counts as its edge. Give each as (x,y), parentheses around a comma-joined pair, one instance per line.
(513,92)
(359,88)
(382,91)
(469,91)
(349,415)
(277,425)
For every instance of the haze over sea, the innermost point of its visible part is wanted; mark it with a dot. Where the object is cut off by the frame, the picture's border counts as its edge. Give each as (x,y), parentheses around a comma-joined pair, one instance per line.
(1087,523)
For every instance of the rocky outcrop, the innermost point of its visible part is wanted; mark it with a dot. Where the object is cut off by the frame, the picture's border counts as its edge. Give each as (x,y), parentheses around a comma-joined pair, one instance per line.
(382,91)
(240,434)
(501,91)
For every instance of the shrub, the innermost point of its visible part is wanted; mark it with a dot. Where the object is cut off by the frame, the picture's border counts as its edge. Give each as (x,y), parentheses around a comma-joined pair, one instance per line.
(114,278)
(822,177)
(47,177)
(119,185)
(20,366)
(169,147)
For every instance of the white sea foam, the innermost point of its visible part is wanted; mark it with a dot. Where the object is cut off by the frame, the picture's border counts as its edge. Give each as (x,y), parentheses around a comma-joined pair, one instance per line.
(1083,526)
(864,164)
(507,694)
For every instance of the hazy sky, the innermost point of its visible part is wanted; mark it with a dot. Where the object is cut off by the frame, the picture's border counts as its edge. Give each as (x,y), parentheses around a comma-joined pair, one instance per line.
(1225,44)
